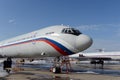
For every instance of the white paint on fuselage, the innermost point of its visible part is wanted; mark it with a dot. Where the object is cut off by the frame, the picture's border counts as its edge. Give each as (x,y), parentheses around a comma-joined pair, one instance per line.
(112,55)
(28,45)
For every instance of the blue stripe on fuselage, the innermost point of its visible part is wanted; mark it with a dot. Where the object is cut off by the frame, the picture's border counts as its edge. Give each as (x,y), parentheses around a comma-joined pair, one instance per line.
(61,46)
(52,41)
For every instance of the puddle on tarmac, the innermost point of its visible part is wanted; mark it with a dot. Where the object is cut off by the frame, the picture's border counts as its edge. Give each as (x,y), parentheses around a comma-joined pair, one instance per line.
(54,78)
(48,77)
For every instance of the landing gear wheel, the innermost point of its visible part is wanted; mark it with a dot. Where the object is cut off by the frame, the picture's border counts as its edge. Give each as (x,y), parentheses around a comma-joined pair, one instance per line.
(8,70)
(53,70)
(56,70)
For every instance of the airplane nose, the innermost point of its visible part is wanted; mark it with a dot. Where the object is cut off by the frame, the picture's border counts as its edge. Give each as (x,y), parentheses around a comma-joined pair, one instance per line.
(83,42)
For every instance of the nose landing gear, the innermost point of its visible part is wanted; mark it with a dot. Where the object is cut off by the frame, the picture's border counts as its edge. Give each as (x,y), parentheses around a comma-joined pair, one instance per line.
(59,63)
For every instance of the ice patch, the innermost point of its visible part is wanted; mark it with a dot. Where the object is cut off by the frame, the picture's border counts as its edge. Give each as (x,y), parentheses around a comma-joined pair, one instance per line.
(88,72)
(3,73)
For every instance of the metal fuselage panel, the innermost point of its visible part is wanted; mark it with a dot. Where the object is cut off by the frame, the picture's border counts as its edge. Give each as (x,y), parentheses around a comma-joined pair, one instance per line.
(49,42)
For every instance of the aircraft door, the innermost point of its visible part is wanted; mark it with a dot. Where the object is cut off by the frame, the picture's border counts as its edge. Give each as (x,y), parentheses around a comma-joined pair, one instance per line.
(34,38)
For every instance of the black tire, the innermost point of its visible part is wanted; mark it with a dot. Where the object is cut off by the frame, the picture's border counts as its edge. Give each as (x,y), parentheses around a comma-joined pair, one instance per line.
(57,70)
(8,71)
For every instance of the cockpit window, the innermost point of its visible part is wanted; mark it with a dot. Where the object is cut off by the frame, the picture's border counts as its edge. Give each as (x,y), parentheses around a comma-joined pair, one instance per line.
(71,31)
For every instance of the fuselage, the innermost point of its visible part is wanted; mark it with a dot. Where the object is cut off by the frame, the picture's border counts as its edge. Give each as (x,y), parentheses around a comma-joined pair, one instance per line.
(51,41)
(112,55)
(98,55)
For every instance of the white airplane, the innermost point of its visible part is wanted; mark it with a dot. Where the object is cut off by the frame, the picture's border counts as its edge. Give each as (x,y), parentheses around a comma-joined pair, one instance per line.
(99,55)
(53,41)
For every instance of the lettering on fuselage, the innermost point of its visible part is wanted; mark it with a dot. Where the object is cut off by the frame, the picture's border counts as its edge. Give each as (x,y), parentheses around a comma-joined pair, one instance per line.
(49,33)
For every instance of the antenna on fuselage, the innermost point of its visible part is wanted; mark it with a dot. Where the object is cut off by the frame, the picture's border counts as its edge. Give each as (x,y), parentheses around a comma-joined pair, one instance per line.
(68,26)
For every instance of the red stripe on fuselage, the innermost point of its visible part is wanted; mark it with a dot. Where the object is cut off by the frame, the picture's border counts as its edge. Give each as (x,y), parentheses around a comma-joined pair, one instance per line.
(50,43)
(55,47)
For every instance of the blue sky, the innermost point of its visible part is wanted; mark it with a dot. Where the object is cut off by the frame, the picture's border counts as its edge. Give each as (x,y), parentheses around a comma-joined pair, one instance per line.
(99,19)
